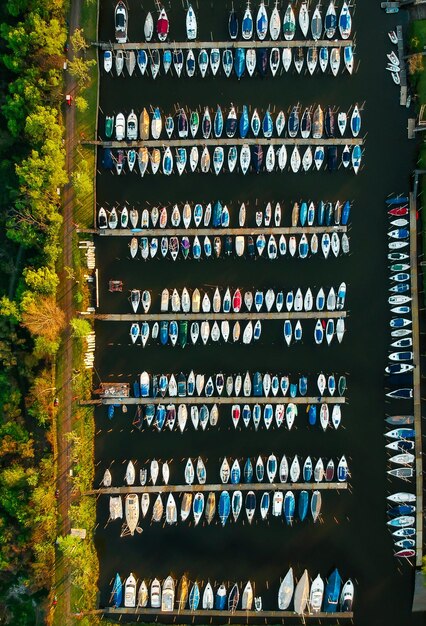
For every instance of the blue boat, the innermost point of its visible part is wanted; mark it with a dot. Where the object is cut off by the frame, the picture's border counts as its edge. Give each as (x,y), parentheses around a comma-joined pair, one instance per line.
(307,470)
(302,505)
(267,125)
(396,200)
(164,332)
(167,58)
(136,389)
(224,507)
(293,390)
(257,414)
(332,592)
(312,414)
(117,591)
(289,507)
(217,214)
(173,331)
(194,597)
(303,385)
(345,212)
(246,414)
(244,122)
(404,532)
(311,214)
(303,213)
(399,233)
(293,122)
(402,509)
(247,25)
(262,60)
(218,123)
(235,473)
(329,214)
(227,61)
(142,60)
(111,411)
(239,62)
(257,157)
(321,213)
(154,386)
(257,385)
(332,158)
(402,433)
(160,417)
(220,598)
(248,471)
(400,288)
(233,24)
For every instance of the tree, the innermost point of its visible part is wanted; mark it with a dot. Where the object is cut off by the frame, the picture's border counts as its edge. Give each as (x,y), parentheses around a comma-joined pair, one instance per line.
(78,41)
(42,280)
(81,328)
(43,317)
(81,104)
(80,69)
(9,308)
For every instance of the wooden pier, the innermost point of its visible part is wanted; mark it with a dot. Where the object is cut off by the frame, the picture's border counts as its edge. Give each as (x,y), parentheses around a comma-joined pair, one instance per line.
(171,315)
(403,72)
(239,616)
(214,232)
(288,486)
(220,400)
(225,141)
(416,379)
(232,45)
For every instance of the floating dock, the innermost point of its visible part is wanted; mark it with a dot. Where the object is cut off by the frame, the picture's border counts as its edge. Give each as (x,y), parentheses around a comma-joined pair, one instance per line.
(403,70)
(171,315)
(214,232)
(416,380)
(221,400)
(252,141)
(239,616)
(116,491)
(232,45)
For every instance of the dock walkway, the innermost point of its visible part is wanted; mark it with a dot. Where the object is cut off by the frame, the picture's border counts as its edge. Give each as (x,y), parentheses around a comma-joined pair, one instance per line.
(158,317)
(239,616)
(210,232)
(403,72)
(232,45)
(225,141)
(116,491)
(220,400)
(416,380)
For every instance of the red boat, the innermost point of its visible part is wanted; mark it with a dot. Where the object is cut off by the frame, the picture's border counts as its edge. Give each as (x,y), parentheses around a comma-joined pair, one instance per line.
(236,301)
(236,413)
(163,26)
(407,554)
(400,210)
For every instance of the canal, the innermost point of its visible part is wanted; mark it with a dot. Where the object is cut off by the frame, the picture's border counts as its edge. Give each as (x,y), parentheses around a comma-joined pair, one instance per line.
(352,534)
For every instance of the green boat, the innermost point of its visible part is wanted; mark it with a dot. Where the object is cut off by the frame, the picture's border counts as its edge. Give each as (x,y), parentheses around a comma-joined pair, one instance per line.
(109,126)
(341,385)
(194,122)
(183,333)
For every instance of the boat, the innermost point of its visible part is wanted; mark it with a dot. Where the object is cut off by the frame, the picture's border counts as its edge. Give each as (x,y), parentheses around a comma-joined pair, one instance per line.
(210,507)
(316,23)
(162,25)
(348,57)
(182,594)
(194,597)
(208,597)
(227,62)
(330,22)
(120,22)
(345,21)
(224,507)
(247,24)
(304,18)
(220,598)
(168,595)
(286,590)
(289,23)
(250,506)
(335,61)
(317,594)
(289,507)
(316,502)
(198,507)
(287,57)
(247,597)
(301,594)
(332,592)
(191,23)
(233,598)
(233,24)
(143,595)
(131,508)
(117,591)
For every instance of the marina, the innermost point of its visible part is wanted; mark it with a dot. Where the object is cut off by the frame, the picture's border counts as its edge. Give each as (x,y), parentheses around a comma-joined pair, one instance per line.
(360,356)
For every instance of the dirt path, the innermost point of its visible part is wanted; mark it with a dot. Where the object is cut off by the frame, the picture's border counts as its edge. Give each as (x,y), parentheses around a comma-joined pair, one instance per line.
(63,589)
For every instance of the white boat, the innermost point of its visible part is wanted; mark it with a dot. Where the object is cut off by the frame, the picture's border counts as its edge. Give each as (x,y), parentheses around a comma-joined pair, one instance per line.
(115,508)
(286,590)
(155,594)
(191,23)
(171,510)
(148,28)
(247,597)
(316,594)
(130,591)
(208,598)
(143,595)
(275,24)
(131,507)
(154,471)
(145,499)
(304,18)
(301,594)
(130,474)
(277,503)
(224,471)
(168,594)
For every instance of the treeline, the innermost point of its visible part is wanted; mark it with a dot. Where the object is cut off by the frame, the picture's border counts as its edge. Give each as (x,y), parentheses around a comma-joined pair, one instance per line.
(32,170)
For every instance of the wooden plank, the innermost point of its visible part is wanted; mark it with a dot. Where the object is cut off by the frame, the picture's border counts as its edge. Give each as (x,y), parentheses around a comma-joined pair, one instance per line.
(416,379)
(241,615)
(210,232)
(114,491)
(226,400)
(283,315)
(225,141)
(232,45)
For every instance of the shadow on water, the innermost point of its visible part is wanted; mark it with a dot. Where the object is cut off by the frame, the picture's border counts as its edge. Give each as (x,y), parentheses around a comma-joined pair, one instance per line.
(352,533)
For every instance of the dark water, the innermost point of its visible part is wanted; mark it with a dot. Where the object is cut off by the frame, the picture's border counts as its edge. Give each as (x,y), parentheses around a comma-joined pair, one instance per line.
(353,535)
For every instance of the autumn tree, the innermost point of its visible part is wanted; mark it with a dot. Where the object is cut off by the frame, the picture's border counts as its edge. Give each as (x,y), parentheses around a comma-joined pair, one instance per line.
(43,317)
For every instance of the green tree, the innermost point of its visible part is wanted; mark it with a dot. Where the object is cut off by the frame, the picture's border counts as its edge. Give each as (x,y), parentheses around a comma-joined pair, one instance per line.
(81,104)
(78,41)
(80,327)
(43,280)
(80,70)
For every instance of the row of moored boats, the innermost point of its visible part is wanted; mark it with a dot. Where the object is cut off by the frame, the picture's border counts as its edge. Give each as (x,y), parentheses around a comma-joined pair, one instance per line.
(331,596)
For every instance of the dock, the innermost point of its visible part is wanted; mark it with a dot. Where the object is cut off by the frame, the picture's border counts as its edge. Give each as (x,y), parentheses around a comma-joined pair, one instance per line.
(159,317)
(239,616)
(416,379)
(232,45)
(225,141)
(116,491)
(220,400)
(213,232)
(403,72)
